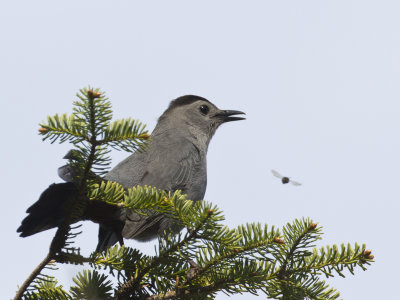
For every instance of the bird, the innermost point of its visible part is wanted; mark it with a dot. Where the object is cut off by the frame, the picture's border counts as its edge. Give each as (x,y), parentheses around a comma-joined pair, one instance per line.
(176,159)
(285,179)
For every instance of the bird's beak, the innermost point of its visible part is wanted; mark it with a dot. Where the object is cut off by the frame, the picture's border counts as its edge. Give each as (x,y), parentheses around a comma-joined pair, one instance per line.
(226,115)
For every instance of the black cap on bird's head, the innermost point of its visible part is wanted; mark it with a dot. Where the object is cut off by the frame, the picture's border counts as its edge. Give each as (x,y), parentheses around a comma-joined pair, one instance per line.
(197,114)
(197,107)
(185,100)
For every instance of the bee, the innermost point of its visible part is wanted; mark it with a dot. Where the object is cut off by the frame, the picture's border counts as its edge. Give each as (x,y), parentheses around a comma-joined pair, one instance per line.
(285,179)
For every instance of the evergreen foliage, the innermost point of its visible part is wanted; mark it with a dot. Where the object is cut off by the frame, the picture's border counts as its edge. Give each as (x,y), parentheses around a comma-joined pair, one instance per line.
(202,260)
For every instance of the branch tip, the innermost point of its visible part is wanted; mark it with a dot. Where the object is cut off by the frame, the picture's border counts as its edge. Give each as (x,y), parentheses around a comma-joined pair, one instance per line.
(368,254)
(93,94)
(278,240)
(144,136)
(312,226)
(165,201)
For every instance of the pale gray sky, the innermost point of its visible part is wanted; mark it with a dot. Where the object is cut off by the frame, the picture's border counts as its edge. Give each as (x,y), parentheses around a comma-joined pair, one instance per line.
(319,81)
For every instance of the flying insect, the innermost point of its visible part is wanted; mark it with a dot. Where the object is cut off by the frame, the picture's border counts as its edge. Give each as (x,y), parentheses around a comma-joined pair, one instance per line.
(285,179)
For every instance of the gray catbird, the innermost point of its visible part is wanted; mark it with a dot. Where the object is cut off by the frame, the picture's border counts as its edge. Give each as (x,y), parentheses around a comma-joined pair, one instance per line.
(175,160)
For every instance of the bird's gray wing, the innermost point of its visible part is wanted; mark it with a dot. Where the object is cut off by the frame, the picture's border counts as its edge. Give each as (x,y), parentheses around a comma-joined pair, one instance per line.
(172,171)
(65,173)
(142,227)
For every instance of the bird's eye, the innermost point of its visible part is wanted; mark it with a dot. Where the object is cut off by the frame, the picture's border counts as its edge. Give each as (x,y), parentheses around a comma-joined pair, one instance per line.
(204,109)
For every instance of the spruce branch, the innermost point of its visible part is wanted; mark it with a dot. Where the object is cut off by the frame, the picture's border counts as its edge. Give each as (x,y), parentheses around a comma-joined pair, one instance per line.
(331,259)
(32,277)
(126,289)
(125,134)
(238,273)
(91,117)
(63,128)
(124,260)
(299,235)
(91,285)
(59,240)
(47,288)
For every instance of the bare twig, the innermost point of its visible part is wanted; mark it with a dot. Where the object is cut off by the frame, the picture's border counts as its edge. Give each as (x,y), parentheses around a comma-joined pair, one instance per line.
(32,277)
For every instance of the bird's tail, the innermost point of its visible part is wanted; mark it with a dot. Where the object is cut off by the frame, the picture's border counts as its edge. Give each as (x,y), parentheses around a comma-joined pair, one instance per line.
(50,210)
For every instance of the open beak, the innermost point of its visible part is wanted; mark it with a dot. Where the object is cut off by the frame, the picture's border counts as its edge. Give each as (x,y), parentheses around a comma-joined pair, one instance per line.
(226,115)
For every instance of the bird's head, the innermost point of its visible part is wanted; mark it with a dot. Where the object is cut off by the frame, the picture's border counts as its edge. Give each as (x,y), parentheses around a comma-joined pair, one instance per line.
(198,115)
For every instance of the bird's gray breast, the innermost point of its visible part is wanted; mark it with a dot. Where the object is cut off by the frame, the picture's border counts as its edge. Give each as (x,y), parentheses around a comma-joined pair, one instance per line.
(169,166)
(173,164)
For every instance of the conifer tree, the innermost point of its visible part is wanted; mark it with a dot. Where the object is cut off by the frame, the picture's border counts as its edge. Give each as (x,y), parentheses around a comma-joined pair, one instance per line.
(202,260)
